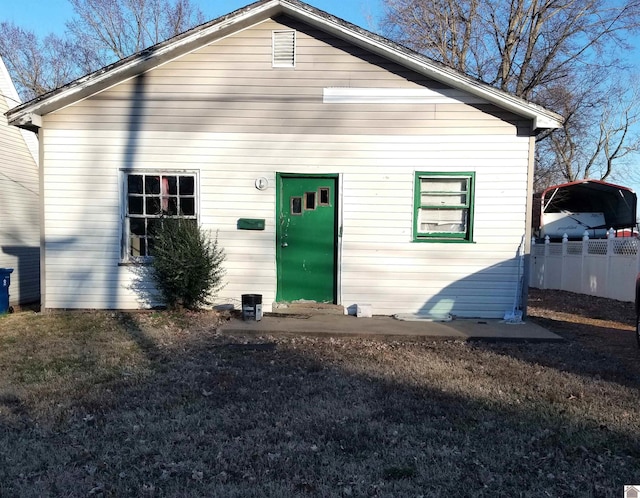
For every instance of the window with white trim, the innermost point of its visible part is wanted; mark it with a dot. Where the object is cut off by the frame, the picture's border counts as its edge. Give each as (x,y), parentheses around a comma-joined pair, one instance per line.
(150,197)
(443,207)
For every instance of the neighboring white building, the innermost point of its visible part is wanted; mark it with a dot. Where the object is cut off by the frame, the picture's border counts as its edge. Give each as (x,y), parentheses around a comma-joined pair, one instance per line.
(19,203)
(334,164)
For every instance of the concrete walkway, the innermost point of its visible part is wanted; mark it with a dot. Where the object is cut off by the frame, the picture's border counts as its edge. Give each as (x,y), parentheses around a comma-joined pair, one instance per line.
(347,325)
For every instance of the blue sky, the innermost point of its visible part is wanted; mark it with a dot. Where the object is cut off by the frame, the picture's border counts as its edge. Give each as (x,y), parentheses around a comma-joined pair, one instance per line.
(50,15)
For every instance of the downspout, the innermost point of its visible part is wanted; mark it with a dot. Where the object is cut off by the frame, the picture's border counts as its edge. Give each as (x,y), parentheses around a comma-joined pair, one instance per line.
(528,231)
(43,239)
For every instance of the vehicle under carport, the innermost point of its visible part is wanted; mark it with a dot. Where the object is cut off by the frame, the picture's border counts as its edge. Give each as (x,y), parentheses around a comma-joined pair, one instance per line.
(591,206)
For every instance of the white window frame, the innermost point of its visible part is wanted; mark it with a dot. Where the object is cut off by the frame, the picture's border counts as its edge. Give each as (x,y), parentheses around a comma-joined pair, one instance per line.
(126,236)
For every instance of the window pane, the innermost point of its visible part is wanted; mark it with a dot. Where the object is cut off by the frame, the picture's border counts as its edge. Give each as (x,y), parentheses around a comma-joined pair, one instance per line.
(187,185)
(187,207)
(135,205)
(137,247)
(153,225)
(170,185)
(310,200)
(172,206)
(443,184)
(296,205)
(150,245)
(443,220)
(152,185)
(444,191)
(324,197)
(134,184)
(153,205)
(137,226)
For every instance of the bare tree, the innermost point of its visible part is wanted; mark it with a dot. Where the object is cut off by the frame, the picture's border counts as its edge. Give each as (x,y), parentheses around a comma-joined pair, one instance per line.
(600,129)
(443,29)
(564,55)
(516,45)
(114,29)
(101,32)
(36,66)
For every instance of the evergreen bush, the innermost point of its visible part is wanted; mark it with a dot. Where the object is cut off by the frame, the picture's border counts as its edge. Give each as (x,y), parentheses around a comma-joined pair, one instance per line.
(187,263)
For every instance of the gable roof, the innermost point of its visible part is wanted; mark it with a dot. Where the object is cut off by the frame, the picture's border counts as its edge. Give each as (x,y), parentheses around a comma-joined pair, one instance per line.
(28,115)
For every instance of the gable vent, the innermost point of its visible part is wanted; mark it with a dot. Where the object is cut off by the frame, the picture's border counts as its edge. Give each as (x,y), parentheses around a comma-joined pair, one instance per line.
(284,48)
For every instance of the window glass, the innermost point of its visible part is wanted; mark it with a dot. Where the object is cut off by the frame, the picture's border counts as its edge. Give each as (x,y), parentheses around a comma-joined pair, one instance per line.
(324,197)
(152,205)
(444,221)
(443,191)
(296,205)
(150,198)
(137,247)
(137,226)
(443,206)
(134,184)
(187,185)
(136,205)
(170,184)
(152,185)
(153,225)
(150,244)
(310,200)
(171,207)
(187,206)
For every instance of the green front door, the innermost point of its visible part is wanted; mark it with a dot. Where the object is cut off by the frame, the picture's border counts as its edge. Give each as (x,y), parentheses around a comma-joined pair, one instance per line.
(306,238)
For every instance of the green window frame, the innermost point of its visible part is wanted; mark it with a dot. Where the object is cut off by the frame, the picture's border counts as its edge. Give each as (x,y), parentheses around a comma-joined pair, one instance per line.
(443,206)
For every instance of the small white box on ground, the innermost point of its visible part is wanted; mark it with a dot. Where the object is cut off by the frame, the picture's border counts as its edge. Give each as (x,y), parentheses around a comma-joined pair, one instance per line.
(364,311)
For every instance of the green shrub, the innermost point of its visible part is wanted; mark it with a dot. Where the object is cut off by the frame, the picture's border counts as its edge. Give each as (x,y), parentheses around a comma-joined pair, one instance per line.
(187,263)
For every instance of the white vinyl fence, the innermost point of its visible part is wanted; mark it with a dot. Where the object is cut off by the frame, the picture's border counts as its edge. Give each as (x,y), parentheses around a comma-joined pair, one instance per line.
(598,267)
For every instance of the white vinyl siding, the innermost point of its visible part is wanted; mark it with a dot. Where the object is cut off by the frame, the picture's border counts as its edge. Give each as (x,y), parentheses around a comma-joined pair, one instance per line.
(19,202)
(224,112)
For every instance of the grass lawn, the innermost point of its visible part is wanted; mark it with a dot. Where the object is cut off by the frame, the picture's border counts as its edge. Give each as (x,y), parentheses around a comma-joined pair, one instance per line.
(161,404)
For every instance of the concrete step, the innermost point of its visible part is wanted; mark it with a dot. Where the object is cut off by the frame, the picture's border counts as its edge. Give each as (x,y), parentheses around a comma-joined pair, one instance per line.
(307,308)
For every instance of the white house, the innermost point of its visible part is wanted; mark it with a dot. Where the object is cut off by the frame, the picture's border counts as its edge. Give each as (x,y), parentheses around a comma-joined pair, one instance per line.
(335,165)
(19,203)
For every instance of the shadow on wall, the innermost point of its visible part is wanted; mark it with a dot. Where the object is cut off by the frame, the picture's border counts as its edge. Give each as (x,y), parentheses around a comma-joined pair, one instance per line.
(25,281)
(143,287)
(491,292)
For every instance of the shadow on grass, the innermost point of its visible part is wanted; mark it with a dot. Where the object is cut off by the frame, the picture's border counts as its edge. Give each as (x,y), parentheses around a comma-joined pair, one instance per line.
(582,305)
(251,416)
(590,351)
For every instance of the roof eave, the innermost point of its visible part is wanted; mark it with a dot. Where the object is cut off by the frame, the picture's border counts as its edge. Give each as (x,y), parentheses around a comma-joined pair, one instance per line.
(542,118)
(158,54)
(103,78)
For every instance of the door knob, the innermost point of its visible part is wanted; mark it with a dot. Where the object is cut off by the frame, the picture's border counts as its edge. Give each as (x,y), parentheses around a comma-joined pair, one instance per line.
(284,244)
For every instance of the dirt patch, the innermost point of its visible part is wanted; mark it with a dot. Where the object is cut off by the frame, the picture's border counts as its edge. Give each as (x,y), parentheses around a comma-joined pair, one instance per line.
(604,327)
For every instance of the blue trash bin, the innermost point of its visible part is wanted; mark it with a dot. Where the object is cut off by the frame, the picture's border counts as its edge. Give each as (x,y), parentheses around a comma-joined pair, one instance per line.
(5,282)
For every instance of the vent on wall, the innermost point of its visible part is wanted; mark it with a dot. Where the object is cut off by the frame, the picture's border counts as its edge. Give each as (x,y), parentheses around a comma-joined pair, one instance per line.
(284,48)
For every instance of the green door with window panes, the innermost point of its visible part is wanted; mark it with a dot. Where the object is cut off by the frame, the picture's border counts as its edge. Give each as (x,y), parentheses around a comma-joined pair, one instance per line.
(152,197)
(306,237)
